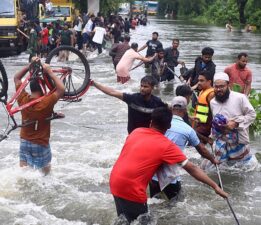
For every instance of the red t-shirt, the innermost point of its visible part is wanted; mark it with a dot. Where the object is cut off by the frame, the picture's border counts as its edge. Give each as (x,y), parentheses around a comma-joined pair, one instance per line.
(238,76)
(45,34)
(144,151)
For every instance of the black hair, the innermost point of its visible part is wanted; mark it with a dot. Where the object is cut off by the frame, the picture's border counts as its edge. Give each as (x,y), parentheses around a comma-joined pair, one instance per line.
(242,54)
(35,86)
(207,51)
(156,33)
(176,39)
(44,24)
(134,45)
(183,90)
(160,50)
(161,118)
(149,80)
(206,74)
(127,38)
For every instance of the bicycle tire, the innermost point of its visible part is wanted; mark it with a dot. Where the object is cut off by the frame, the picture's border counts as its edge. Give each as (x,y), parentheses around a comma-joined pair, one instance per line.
(3,81)
(79,85)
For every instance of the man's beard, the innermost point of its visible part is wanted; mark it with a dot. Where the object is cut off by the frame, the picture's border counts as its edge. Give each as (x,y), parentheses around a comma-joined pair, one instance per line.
(224,97)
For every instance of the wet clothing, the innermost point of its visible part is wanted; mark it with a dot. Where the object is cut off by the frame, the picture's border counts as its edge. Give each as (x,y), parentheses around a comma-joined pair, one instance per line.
(144,151)
(139,110)
(118,50)
(181,134)
(237,108)
(233,146)
(171,58)
(238,76)
(39,131)
(36,156)
(131,210)
(125,64)
(171,191)
(153,46)
(201,66)
(157,68)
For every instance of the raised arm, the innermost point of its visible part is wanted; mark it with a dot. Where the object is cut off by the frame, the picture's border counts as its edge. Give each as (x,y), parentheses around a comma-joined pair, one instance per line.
(58,83)
(143,47)
(198,174)
(108,90)
(19,75)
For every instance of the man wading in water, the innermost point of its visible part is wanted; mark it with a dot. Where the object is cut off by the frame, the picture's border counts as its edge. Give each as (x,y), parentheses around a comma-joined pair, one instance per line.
(140,105)
(144,151)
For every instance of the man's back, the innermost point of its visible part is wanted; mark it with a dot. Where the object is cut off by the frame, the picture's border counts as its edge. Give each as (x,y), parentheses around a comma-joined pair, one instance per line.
(39,131)
(144,151)
(181,133)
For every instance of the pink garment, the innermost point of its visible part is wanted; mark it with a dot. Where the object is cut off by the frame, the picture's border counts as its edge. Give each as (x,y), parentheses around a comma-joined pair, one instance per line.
(125,64)
(238,76)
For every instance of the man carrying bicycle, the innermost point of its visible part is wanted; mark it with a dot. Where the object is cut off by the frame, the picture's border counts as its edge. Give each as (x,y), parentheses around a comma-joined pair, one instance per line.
(34,143)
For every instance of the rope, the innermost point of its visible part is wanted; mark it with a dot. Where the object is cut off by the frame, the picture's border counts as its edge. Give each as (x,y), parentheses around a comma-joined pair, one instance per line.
(221,186)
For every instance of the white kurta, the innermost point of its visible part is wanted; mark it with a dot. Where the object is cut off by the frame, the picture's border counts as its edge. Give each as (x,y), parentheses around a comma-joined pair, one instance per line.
(237,108)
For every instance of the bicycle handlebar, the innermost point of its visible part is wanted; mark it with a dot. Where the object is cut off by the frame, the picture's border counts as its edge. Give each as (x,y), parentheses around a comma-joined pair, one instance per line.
(36,69)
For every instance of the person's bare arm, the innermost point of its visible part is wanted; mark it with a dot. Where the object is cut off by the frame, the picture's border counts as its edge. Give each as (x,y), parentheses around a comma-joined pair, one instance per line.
(201,176)
(19,75)
(143,47)
(58,83)
(108,90)
(210,96)
(247,88)
(145,59)
(205,153)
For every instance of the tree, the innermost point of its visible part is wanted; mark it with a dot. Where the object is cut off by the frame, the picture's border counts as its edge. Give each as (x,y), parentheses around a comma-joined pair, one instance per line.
(241,7)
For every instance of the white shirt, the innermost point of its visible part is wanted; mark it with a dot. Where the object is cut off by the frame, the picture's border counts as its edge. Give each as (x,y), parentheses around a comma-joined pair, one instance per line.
(238,108)
(88,27)
(79,26)
(99,35)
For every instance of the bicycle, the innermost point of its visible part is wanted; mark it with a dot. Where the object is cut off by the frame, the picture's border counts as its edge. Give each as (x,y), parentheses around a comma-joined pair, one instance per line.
(3,82)
(74,71)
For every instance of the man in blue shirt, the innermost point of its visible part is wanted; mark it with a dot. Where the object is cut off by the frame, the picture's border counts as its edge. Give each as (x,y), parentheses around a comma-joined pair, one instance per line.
(180,133)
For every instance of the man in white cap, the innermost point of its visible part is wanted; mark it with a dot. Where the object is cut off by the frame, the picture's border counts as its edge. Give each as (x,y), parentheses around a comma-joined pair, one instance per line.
(180,133)
(232,116)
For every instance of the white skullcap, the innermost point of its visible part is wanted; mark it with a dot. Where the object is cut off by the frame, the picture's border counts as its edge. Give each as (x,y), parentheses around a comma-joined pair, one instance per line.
(221,76)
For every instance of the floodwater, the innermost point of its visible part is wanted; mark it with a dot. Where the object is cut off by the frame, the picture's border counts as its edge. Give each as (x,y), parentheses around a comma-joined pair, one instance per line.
(87,142)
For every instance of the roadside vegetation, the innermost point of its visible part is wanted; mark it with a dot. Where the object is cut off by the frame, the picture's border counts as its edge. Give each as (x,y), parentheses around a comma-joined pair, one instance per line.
(239,12)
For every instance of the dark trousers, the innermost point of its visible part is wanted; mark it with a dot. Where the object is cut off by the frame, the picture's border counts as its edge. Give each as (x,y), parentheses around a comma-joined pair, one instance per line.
(170,191)
(79,40)
(131,210)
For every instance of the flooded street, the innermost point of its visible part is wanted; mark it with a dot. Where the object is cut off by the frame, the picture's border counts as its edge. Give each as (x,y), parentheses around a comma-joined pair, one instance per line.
(87,142)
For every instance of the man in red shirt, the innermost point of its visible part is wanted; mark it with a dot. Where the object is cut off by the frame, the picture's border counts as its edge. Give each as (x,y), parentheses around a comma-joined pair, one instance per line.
(239,74)
(44,40)
(144,151)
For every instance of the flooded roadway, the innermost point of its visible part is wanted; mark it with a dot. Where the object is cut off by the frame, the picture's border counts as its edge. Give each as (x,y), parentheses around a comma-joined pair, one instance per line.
(87,142)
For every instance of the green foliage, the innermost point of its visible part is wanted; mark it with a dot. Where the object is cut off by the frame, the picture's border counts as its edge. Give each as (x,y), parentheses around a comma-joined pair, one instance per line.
(255,100)
(215,11)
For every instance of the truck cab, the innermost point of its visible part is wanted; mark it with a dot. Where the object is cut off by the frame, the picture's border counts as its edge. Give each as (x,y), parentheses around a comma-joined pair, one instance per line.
(61,9)
(9,22)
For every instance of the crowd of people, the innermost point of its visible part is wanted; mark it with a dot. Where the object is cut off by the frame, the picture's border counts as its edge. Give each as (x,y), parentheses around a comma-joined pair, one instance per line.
(87,33)
(158,133)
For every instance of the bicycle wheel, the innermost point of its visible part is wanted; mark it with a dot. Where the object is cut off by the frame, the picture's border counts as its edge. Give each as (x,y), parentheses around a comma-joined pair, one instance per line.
(70,65)
(3,81)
